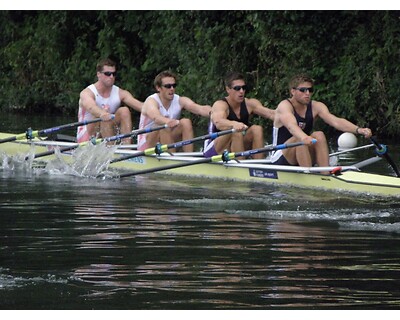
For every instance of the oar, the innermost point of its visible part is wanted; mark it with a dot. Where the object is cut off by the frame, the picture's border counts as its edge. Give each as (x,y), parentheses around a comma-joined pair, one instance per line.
(160,148)
(226,156)
(352,149)
(29,134)
(96,141)
(382,150)
(367,162)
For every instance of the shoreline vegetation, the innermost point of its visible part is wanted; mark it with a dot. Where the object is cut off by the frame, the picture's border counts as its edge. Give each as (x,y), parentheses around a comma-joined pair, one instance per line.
(50,56)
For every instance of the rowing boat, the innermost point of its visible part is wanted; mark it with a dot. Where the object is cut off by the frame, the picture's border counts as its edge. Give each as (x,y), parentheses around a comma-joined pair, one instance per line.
(342,178)
(348,179)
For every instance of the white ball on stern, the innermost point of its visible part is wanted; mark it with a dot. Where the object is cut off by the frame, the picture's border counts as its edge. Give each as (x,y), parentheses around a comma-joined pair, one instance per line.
(347,140)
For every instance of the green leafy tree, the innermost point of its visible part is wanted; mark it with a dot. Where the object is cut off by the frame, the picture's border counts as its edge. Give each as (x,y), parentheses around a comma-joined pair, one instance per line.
(50,56)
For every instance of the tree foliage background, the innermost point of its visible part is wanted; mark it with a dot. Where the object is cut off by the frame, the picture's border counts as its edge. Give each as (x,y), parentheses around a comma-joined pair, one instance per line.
(48,57)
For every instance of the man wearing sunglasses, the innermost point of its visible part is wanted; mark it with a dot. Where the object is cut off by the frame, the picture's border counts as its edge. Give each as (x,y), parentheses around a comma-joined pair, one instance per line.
(234,112)
(165,107)
(104,100)
(294,121)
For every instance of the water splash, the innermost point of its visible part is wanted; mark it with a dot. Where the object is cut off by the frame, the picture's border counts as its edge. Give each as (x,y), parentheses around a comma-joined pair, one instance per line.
(90,161)
(21,163)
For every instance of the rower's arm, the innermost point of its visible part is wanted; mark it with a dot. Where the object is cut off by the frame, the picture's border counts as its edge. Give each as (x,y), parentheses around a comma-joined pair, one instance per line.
(188,104)
(219,116)
(256,107)
(150,109)
(128,99)
(340,124)
(284,117)
(87,102)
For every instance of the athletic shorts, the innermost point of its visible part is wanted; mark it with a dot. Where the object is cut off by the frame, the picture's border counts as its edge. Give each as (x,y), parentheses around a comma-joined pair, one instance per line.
(279,158)
(209,149)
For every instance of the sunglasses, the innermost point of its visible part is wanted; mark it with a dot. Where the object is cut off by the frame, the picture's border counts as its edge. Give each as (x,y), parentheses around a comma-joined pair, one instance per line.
(109,73)
(169,85)
(237,88)
(305,89)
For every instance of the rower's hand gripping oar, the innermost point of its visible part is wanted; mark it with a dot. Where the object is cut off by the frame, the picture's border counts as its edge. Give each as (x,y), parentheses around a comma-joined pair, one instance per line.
(30,134)
(160,148)
(226,156)
(96,141)
(382,151)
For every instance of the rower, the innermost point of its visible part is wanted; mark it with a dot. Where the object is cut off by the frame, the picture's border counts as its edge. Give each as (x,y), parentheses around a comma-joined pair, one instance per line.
(294,121)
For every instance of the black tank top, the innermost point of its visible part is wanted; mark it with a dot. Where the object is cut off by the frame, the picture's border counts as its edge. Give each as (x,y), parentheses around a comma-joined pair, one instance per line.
(306,124)
(244,116)
(244,113)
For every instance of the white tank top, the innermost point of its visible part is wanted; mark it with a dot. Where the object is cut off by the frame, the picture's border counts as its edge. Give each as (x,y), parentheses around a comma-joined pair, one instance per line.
(173,112)
(113,102)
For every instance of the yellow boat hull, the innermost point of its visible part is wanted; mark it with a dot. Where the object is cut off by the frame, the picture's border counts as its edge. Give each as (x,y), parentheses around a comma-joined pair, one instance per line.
(346,181)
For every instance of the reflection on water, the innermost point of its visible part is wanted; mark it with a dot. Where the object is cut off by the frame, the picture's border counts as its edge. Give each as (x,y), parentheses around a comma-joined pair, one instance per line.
(154,243)
(69,241)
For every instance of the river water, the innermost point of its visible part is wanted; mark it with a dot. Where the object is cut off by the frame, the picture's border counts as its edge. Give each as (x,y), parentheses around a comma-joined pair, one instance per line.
(161,242)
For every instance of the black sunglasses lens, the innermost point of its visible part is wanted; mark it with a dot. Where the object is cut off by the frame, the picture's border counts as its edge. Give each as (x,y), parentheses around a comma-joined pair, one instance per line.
(303,90)
(170,85)
(237,88)
(108,73)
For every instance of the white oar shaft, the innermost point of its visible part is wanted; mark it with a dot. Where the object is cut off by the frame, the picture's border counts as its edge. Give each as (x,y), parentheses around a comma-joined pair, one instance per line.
(367,162)
(351,150)
(226,156)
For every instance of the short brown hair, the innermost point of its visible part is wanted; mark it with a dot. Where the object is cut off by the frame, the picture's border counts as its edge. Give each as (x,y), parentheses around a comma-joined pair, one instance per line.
(299,78)
(105,62)
(162,75)
(232,76)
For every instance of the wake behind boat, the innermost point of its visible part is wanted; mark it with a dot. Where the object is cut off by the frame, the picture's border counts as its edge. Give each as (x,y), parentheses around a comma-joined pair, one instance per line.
(130,162)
